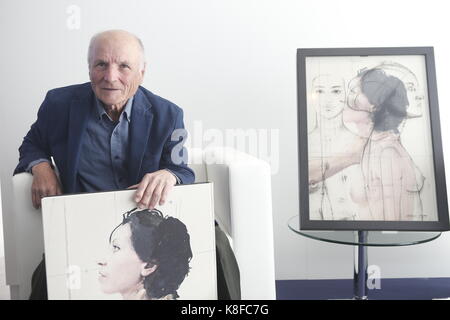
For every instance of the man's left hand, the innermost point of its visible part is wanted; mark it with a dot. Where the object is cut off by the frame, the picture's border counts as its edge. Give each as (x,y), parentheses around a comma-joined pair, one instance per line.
(153,189)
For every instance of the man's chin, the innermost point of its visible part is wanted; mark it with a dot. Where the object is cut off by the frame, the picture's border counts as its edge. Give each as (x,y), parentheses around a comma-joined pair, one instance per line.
(110,101)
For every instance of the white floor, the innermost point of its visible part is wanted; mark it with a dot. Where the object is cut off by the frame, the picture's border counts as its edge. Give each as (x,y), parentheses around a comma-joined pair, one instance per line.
(4,289)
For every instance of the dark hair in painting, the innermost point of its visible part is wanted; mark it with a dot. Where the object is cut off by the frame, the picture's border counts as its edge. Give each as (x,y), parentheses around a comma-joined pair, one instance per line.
(161,241)
(389,97)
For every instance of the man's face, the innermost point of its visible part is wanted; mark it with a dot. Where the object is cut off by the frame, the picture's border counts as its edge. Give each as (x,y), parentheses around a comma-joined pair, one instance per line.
(116,68)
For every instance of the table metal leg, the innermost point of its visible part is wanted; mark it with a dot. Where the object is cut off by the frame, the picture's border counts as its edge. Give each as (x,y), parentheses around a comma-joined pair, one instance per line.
(360,268)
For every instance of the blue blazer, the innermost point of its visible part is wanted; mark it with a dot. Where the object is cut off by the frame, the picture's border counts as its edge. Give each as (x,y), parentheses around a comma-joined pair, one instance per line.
(62,118)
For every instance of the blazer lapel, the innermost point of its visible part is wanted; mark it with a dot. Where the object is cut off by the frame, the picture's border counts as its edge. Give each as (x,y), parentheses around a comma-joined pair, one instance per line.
(79,112)
(140,125)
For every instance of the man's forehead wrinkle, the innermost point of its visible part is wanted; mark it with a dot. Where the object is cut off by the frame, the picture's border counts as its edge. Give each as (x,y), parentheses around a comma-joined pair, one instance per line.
(112,59)
(119,51)
(114,56)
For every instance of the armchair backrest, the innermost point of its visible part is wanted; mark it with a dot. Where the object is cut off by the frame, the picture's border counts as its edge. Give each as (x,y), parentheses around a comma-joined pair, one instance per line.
(28,236)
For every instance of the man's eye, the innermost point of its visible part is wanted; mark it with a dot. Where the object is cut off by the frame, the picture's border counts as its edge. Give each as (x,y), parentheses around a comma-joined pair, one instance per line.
(115,248)
(125,66)
(319,91)
(336,91)
(101,64)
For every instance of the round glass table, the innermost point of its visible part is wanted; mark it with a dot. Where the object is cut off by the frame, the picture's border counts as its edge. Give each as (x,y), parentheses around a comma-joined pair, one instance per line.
(361,240)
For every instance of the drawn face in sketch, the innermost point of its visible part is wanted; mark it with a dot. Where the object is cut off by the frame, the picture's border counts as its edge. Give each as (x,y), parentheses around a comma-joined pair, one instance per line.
(149,259)
(356,99)
(414,91)
(123,270)
(328,95)
(415,96)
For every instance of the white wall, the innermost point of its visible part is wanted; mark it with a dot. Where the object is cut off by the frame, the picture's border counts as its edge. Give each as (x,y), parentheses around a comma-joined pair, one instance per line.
(2,249)
(231,64)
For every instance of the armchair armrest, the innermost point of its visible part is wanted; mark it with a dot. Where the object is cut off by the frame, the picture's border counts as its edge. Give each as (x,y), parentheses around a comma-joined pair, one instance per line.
(243,208)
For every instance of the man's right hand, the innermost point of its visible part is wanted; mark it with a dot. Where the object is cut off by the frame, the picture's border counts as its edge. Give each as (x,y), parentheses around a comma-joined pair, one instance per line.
(45,183)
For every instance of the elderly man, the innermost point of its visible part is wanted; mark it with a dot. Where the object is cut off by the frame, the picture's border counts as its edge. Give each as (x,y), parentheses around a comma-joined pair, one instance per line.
(108,134)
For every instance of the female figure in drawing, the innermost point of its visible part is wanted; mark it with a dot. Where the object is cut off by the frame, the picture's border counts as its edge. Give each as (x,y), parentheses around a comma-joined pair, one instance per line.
(392,182)
(334,155)
(149,258)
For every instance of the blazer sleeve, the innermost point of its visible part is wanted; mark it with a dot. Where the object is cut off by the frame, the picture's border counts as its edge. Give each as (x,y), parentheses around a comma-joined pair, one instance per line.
(174,155)
(35,144)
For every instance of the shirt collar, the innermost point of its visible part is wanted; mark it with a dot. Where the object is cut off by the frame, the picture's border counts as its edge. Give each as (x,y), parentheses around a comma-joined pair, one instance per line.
(125,113)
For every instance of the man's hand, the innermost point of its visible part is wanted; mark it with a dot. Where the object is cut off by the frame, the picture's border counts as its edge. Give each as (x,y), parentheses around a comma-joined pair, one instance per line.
(154,188)
(45,183)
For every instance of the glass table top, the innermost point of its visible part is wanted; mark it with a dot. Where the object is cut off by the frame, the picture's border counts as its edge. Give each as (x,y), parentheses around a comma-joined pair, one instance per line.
(374,238)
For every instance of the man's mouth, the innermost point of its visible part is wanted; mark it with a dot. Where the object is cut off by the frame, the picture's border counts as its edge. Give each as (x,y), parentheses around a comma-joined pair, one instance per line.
(109,89)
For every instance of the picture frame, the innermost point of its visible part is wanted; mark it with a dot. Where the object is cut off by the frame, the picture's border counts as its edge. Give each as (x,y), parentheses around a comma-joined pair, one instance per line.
(369,140)
(100,246)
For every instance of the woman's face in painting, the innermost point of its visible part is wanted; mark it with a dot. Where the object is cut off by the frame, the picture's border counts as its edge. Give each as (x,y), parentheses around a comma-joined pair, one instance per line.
(415,96)
(123,270)
(356,99)
(328,96)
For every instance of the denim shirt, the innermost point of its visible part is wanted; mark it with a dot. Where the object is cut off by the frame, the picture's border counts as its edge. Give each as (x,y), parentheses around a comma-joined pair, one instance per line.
(103,158)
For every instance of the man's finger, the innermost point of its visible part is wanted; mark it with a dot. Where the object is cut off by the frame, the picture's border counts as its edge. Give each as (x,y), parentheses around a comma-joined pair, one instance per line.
(52,191)
(38,200)
(142,187)
(133,186)
(156,195)
(43,193)
(165,194)
(34,199)
(148,194)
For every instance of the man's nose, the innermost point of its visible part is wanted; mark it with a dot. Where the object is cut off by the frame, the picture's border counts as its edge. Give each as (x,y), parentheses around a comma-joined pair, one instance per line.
(111,74)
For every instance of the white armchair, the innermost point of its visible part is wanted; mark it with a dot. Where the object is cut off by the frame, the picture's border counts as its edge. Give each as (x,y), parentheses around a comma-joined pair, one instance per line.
(243,208)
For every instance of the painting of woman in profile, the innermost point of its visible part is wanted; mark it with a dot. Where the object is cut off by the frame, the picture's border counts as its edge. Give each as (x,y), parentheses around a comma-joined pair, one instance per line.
(369,148)
(392,181)
(149,257)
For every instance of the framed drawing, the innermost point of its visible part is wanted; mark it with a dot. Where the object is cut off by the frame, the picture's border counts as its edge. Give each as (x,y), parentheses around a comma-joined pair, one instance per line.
(369,140)
(99,246)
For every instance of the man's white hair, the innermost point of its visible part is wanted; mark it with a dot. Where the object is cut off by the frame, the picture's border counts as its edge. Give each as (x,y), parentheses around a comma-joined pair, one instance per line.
(97,35)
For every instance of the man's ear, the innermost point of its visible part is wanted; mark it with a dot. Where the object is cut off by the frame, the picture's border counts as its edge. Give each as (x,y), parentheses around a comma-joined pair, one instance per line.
(148,269)
(144,68)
